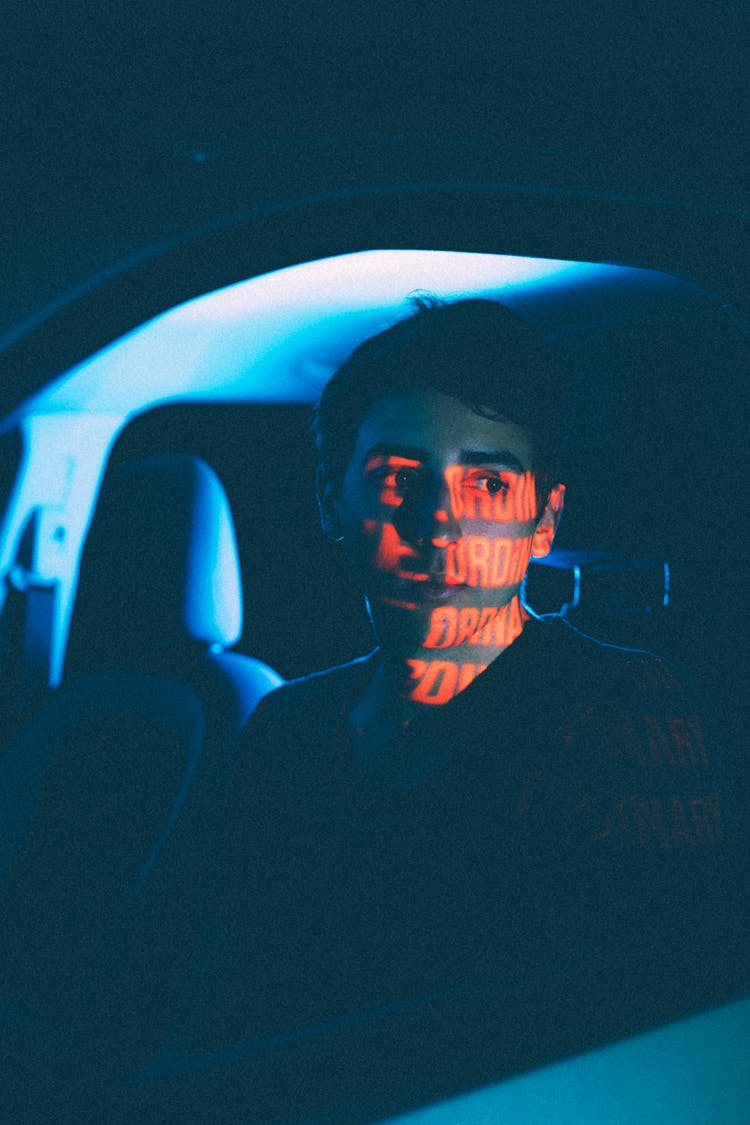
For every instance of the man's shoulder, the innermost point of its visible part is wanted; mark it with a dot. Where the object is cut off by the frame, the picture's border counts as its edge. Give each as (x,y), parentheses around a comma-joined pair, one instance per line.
(594,666)
(310,700)
(609,689)
(639,746)
(288,746)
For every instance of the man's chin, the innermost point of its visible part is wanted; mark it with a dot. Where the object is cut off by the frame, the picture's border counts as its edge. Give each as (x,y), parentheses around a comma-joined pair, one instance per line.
(407,597)
(399,620)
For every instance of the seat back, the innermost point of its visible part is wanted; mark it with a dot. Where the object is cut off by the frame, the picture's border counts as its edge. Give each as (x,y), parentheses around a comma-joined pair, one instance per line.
(115,786)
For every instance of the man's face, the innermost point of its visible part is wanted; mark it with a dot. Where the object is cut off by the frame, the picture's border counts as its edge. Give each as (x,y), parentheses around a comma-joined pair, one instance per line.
(439,517)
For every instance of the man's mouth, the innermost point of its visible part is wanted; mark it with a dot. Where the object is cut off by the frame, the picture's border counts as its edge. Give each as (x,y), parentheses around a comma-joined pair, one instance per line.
(409,592)
(433,588)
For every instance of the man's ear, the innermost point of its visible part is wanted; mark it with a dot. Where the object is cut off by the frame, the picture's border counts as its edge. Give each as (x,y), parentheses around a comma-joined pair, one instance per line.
(329,516)
(544,534)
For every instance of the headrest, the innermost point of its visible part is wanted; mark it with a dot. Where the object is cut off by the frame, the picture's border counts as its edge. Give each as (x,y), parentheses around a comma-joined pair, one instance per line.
(160,564)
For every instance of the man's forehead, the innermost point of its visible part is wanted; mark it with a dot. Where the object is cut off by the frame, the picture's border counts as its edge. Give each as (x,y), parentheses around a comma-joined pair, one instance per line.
(406,455)
(424,424)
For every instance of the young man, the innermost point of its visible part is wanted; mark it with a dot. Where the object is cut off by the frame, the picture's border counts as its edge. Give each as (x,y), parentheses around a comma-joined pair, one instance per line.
(438,474)
(487,805)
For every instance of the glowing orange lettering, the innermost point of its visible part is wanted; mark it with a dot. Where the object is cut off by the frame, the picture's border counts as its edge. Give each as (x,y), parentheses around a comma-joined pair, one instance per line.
(525,503)
(453,478)
(501,551)
(438,684)
(484,625)
(439,680)
(455,563)
(509,560)
(468,620)
(443,626)
(417,668)
(516,501)
(478,559)
(494,626)
(504,502)
(468,672)
(520,553)
(486,503)
(503,629)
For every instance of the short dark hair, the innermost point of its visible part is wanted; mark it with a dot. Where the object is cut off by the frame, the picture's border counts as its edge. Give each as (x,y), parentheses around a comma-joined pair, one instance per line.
(476,350)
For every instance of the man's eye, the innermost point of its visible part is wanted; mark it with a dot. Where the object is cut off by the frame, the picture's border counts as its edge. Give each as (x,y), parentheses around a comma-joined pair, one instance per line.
(395,478)
(490,484)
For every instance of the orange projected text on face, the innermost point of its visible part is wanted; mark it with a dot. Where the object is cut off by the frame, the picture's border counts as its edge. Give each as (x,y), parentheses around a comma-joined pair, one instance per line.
(451,548)
(441,511)
(494,497)
(496,626)
(479,560)
(437,681)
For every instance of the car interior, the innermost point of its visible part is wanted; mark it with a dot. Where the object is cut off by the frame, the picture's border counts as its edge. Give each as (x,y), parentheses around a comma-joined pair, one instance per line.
(163,568)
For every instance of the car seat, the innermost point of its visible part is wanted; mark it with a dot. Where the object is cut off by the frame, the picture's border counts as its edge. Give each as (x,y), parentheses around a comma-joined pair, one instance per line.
(108,802)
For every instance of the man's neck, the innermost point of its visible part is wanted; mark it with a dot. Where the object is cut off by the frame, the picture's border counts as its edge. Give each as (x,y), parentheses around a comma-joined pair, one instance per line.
(412,682)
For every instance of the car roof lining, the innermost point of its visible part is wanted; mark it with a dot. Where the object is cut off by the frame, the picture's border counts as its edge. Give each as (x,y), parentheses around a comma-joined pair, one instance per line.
(278,337)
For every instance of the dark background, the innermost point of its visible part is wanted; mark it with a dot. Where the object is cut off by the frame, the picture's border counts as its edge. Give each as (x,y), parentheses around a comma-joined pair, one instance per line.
(622,97)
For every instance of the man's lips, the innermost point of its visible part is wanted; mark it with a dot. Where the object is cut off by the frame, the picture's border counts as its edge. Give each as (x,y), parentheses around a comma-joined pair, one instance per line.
(422,588)
(435,589)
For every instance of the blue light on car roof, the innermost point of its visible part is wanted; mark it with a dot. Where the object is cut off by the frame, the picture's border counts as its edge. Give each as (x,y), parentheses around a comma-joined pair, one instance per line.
(278,336)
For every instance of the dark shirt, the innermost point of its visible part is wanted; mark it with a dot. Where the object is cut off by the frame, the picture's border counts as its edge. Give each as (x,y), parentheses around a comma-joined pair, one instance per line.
(557,840)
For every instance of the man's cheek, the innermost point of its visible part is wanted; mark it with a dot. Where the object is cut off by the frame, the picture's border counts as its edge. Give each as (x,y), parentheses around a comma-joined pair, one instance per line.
(387,551)
(482,561)
(487,562)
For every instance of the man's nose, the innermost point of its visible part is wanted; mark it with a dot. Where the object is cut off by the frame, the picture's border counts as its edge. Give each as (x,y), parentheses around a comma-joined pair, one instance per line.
(428,518)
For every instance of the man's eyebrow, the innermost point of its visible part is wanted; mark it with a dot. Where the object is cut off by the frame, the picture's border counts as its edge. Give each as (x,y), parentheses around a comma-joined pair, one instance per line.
(502,457)
(385,449)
